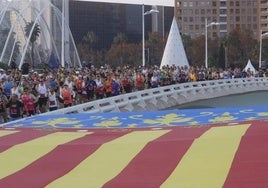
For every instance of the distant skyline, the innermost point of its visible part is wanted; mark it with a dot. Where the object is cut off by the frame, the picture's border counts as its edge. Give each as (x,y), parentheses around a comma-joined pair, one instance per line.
(146,2)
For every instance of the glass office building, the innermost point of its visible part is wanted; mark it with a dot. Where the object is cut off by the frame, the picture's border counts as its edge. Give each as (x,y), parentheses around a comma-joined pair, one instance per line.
(106,20)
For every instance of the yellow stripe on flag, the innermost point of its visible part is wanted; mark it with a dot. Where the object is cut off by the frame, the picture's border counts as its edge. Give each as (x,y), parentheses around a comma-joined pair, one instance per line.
(208,160)
(21,155)
(108,161)
(4,133)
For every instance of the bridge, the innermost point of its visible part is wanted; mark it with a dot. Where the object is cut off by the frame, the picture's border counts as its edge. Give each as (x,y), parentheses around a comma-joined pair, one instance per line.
(67,148)
(147,108)
(164,97)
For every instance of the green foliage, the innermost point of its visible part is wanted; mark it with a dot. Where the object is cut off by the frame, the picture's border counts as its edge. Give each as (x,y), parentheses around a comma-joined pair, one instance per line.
(131,55)
(120,38)
(4,66)
(90,38)
(35,28)
(221,58)
(232,50)
(36,31)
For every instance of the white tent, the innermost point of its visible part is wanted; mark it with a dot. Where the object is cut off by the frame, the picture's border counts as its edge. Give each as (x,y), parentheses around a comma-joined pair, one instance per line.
(174,53)
(250,66)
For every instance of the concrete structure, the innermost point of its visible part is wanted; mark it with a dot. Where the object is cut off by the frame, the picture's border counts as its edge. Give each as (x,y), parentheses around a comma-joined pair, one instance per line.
(15,15)
(174,53)
(105,18)
(164,97)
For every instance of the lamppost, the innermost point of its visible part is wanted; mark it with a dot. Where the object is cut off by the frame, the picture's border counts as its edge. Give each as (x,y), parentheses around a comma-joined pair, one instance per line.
(206,39)
(261,36)
(143,32)
(148,54)
(63,35)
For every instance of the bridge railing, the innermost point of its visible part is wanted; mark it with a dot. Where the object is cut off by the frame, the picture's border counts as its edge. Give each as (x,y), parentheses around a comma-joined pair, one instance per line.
(164,97)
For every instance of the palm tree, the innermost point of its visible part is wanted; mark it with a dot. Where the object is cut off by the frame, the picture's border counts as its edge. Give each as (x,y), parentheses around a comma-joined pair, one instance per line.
(34,35)
(120,39)
(91,39)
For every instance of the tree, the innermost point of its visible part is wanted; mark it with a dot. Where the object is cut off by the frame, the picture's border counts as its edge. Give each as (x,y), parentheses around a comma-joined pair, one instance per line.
(221,62)
(90,38)
(188,46)
(240,46)
(198,56)
(83,50)
(131,53)
(33,36)
(120,39)
(265,51)
(156,44)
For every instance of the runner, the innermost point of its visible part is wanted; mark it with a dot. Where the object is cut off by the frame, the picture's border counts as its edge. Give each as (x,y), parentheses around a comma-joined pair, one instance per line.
(3,104)
(28,100)
(15,108)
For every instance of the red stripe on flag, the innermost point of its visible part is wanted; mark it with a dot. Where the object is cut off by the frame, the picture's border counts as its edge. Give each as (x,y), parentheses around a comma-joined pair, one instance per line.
(250,166)
(59,161)
(154,164)
(20,137)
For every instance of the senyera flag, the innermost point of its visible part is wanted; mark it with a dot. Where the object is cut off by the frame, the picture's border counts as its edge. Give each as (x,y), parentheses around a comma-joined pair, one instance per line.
(202,156)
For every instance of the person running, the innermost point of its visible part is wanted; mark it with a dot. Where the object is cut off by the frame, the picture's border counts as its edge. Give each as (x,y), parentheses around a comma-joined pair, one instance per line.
(15,107)
(80,87)
(3,104)
(108,87)
(90,86)
(140,81)
(52,100)
(28,100)
(115,87)
(126,84)
(43,96)
(8,84)
(66,95)
(99,87)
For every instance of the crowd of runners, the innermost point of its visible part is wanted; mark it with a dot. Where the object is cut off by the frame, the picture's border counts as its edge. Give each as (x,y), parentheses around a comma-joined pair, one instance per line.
(23,95)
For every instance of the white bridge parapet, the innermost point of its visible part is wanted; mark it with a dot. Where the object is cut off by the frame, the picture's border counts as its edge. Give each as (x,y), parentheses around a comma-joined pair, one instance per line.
(164,97)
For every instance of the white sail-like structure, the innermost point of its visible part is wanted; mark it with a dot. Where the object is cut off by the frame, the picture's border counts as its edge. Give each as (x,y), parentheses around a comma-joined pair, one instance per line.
(174,53)
(250,67)
(55,38)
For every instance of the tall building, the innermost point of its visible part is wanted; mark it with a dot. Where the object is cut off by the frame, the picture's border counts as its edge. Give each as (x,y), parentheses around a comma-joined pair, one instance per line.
(106,20)
(245,14)
(263,16)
